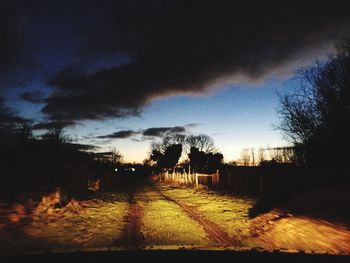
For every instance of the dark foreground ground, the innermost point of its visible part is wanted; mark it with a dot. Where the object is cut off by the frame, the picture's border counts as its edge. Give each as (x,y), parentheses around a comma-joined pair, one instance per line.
(172,255)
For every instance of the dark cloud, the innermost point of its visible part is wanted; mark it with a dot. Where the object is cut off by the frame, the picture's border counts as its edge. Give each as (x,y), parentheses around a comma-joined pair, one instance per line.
(106,142)
(33,96)
(147,134)
(115,57)
(187,47)
(8,120)
(192,125)
(52,124)
(84,147)
(119,135)
(7,115)
(161,131)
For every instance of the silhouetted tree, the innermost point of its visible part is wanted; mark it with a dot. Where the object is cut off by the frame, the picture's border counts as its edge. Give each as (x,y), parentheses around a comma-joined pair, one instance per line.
(202,142)
(116,156)
(56,135)
(172,155)
(317,117)
(197,159)
(204,162)
(252,154)
(214,160)
(13,128)
(172,139)
(157,156)
(201,153)
(24,131)
(168,152)
(261,156)
(245,158)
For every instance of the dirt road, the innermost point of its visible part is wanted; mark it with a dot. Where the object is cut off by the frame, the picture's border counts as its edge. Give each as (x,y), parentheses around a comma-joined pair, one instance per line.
(213,231)
(131,237)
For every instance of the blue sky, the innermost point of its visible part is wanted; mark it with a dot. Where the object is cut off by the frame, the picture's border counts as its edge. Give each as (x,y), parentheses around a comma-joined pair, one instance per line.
(236,117)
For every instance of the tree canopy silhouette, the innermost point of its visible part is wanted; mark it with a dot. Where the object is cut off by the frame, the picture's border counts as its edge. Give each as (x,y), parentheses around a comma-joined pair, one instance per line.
(168,152)
(202,142)
(204,162)
(202,153)
(203,156)
(197,159)
(317,117)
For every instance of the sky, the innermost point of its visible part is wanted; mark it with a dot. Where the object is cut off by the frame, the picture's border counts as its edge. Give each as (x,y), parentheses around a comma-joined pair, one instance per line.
(119,74)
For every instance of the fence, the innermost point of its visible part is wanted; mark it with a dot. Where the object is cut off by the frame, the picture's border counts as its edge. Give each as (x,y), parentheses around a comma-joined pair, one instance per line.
(263,180)
(255,180)
(189,179)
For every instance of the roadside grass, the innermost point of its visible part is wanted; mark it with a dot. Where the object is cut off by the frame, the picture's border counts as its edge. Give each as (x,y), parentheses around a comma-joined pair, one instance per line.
(86,224)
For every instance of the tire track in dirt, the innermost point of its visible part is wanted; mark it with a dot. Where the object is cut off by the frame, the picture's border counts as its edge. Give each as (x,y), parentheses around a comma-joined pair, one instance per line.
(132,236)
(212,229)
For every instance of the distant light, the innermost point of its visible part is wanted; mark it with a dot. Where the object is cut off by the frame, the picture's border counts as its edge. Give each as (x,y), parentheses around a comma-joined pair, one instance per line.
(116,169)
(133,169)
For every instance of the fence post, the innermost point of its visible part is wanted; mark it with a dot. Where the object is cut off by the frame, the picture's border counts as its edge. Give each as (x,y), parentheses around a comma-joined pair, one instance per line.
(196,179)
